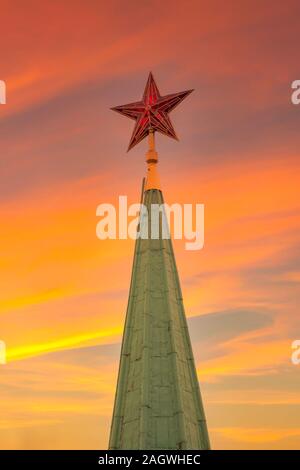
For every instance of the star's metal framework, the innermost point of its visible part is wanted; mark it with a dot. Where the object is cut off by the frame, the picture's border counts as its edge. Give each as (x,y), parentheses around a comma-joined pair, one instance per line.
(152,113)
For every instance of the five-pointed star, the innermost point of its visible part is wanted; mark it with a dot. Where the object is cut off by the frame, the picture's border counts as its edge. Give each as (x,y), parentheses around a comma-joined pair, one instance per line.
(152,112)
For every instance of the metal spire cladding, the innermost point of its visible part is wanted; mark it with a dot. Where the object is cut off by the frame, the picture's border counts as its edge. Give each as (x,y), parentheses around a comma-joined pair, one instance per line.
(158,402)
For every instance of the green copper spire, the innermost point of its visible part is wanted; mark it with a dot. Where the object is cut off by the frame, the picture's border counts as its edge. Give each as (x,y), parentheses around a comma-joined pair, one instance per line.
(158,403)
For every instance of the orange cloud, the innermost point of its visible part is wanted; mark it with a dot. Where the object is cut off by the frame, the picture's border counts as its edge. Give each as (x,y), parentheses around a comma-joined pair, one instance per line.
(258,435)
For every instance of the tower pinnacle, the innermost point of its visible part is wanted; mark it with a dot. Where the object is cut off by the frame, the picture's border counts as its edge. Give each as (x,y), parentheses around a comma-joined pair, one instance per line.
(157,403)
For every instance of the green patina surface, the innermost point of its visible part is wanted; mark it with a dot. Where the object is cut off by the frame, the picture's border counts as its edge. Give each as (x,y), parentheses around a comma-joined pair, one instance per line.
(158,403)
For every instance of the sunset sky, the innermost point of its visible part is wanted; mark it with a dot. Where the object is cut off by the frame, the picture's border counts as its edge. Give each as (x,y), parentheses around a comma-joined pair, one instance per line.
(63,152)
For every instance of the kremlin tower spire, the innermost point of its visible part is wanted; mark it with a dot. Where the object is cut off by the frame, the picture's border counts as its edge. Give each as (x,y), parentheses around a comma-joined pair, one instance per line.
(158,403)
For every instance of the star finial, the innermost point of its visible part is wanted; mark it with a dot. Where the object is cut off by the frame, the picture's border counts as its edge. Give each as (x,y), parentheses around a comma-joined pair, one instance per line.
(152,113)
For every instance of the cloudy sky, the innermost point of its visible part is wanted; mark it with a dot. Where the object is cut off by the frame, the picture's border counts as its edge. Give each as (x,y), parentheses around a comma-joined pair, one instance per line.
(63,152)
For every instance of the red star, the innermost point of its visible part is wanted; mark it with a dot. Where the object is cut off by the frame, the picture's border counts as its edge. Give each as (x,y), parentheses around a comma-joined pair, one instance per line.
(152,112)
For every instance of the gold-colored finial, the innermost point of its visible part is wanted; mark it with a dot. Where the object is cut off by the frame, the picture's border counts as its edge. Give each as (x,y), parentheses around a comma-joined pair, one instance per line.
(152,181)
